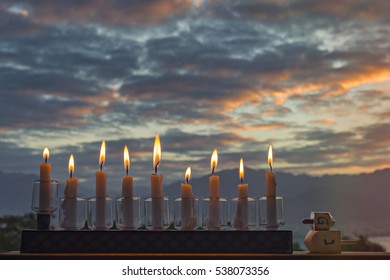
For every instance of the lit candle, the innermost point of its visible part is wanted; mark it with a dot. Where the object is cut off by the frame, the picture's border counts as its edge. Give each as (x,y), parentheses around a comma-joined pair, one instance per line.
(45,167)
(45,186)
(188,211)
(127,193)
(69,205)
(241,219)
(156,187)
(101,177)
(71,183)
(242,188)
(270,192)
(127,181)
(214,179)
(101,191)
(186,188)
(213,221)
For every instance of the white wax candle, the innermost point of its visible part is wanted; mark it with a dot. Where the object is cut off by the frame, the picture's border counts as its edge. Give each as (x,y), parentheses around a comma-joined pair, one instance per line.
(241,218)
(214,218)
(242,190)
(45,185)
(127,181)
(100,221)
(127,194)
(127,186)
(101,184)
(128,212)
(127,202)
(157,200)
(101,191)
(186,190)
(270,183)
(189,220)
(188,213)
(156,186)
(214,186)
(270,193)
(213,222)
(44,170)
(69,205)
(71,187)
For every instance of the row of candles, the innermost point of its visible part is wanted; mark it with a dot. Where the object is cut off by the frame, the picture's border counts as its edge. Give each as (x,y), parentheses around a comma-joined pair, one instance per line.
(157,195)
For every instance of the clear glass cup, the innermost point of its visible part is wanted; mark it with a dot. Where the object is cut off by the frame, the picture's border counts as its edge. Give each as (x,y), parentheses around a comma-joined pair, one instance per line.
(243,213)
(214,213)
(186,213)
(99,213)
(44,196)
(128,213)
(72,213)
(271,212)
(156,213)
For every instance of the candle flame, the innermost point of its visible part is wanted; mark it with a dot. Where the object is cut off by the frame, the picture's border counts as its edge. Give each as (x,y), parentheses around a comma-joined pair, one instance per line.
(214,160)
(156,152)
(126,158)
(46,153)
(71,165)
(270,159)
(241,170)
(102,154)
(188,174)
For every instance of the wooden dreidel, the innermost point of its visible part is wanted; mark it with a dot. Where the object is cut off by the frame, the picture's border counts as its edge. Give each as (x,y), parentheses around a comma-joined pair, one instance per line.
(320,220)
(320,239)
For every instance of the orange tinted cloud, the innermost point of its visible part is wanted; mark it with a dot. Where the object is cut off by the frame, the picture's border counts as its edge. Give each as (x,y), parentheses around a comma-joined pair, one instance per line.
(324,121)
(335,84)
(266,126)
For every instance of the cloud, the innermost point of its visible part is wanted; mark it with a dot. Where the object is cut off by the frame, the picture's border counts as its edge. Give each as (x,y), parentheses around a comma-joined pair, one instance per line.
(267,126)
(287,10)
(115,12)
(310,77)
(324,121)
(358,149)
(16,24)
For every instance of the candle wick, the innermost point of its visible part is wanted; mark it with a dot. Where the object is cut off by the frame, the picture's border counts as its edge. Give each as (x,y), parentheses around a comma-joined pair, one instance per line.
(70,174)
(101,166)
(127,170)
(155,168)
(212,171)
(45,159)
(270,166)
(187,180)
(242,180)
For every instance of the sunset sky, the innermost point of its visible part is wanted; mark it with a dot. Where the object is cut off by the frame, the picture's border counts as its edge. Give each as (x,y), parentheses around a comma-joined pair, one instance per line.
(312,78)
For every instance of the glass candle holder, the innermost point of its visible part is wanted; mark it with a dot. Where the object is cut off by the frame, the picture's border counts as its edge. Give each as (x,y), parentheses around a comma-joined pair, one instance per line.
(271,212)
(128,213)
(185,213)
(243,213)
(99,213)
(214,213)
(156,213)
(44,196)
(71,213)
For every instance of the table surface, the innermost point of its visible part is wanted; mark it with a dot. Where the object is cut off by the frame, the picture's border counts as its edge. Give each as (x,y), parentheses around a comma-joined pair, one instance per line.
(298,255)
